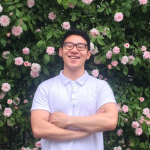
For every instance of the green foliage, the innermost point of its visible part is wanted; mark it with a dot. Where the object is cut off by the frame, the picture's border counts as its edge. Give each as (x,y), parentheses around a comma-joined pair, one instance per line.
(128,81)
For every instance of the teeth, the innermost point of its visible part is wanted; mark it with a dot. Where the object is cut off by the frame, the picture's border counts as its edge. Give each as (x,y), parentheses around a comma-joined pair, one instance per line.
(73,57)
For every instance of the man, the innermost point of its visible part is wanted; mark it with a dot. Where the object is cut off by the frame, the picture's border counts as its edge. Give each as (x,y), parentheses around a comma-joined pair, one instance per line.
(71,110)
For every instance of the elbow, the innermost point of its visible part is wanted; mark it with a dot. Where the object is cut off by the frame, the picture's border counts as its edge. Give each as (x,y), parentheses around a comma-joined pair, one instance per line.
(112,125)
(36,133)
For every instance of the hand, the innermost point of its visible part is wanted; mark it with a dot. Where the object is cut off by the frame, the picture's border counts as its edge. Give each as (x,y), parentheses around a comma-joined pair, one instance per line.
(101,111)
(59,119)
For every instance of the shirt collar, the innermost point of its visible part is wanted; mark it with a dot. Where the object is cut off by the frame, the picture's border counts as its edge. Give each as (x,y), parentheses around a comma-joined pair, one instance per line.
(80,80)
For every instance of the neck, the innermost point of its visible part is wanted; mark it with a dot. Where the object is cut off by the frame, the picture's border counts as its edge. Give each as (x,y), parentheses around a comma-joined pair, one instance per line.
(73,74)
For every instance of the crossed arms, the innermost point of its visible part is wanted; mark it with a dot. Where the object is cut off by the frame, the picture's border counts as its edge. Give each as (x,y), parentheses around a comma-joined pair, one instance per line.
(53,127)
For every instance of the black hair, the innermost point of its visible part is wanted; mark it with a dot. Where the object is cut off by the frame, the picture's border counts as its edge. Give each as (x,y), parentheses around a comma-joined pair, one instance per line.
(79,32)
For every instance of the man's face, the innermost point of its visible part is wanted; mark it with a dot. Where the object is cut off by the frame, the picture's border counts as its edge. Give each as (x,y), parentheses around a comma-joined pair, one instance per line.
(74,59)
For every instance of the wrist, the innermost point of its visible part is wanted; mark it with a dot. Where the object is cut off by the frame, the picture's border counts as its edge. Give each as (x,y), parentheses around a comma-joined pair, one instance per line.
(70,121)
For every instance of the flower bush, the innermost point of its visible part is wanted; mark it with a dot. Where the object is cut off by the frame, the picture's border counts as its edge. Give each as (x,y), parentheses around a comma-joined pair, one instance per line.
(30,36)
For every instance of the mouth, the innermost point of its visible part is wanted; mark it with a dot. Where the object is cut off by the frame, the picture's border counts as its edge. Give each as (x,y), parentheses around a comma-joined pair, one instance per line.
(73,57)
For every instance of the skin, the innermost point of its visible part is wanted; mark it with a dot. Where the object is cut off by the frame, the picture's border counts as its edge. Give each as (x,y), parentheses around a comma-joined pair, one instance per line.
(53,126)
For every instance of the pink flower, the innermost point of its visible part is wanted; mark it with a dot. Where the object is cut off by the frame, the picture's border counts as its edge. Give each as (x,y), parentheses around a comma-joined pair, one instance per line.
(7,112)
(146,111)
(16,101)
(97,61)
(126,119)
(30,3)
(0,106)
(16,31)
(135,124)
(34,74)
(125,108)
(141,119)
(146,55)
(87,1)
(91,46)
(94,51)
(50,50)
(8,123)
(1,8)
(109,66)
(10,14)
(4,20)
(9,101)
(18,61)
(131,59)
(38,30)
(8,34)
(109,54)
(35,149)
(114,63)
(143,2)
(66,25)
(35,67)
(118,17)
(71,6)
(104,32)
(25,101)
(26,50)
(16,107)
(138,131)
(100,76)
(51,16)
(148,115)
(119,132)
(116,50)
(94,32)
(127,45)
(5,87)
(143,48)
(117,148)
(105,79)
(2,95)
(124,60)
(95,73)
(128,149)
(38,144)
(26,64)
(141,99)
(5,53)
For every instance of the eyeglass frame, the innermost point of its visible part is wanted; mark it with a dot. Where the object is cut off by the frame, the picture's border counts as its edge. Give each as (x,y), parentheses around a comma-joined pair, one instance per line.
(75,45)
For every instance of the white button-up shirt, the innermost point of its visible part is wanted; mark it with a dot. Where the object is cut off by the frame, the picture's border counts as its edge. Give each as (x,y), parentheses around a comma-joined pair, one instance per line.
(82,97)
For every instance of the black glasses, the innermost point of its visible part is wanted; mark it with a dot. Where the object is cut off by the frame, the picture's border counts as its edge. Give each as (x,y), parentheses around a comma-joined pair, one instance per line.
(79,46)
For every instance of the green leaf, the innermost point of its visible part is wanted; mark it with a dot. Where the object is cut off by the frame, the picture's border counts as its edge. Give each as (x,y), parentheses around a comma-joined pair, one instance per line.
(128,6)
(19,5)
(9,61)
(130,112)
(100,9)
(127,13)
(59,1)
(46,58)
(135,62)
(11,8)
(40,43)
(1,67)
(45,70)
(3,42)
(73,18)
(30,25)
(100,42)
(23,25)
(19,112)
(49,34)
(125,70)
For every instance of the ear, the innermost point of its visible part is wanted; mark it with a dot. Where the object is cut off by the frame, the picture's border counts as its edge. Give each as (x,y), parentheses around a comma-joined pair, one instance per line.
(88,55)
(60,52)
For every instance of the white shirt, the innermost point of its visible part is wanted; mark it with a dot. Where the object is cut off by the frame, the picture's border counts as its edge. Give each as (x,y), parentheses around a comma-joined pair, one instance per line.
(82,97)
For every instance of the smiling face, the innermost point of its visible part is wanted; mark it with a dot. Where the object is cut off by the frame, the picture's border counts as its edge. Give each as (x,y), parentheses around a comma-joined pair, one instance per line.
(73,59)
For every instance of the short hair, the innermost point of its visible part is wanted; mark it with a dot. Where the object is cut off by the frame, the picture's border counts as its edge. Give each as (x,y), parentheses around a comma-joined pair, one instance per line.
(79,32)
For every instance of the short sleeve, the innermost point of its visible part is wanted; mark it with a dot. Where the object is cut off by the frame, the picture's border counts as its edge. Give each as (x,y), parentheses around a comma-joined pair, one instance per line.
(105,94)
(41,100)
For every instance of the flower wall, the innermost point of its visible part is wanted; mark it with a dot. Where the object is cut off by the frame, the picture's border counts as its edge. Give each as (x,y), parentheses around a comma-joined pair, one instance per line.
(30,36)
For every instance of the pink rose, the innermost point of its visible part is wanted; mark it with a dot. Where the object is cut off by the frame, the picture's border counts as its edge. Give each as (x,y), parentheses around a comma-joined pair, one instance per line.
(16,107)
(114,63)
(141,99)
(109,66)
(100,76)
(30,3)
(87,1)
(10,14)
(5,53)
(105,79)
(143,2)
(131,59)
(146,55)
(135,124)
(50,50)
(18,61)
(104,32)
(148,115)
(127,45)
(109,54)
(35,67)
(35,149)
(143,48)
(5,87)
(25,101)
(16,31)
(51,16)
(141,119)
(9,101)
(94,32)
(71,6)
(119,132)
(126,119)
(7,112)
(1,8)
(26,64)
(26,50)
(38,144)
(2,95)
(125,108)
(138,131)
(145,111)
(95,73)
(8,34)
(0,106)
(124,60)
(118,17)
(4,20)
(97,61)
(66,25)
(38,30)
(34,74)
(94,51)
(116,50)
(16,101)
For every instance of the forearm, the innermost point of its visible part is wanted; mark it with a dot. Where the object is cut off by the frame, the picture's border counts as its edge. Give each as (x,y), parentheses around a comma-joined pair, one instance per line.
(49,131)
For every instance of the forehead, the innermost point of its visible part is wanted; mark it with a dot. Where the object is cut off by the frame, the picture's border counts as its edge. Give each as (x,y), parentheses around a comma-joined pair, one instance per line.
(75,39)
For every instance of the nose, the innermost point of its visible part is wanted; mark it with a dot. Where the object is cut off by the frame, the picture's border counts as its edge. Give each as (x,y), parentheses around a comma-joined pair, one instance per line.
(74,49)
